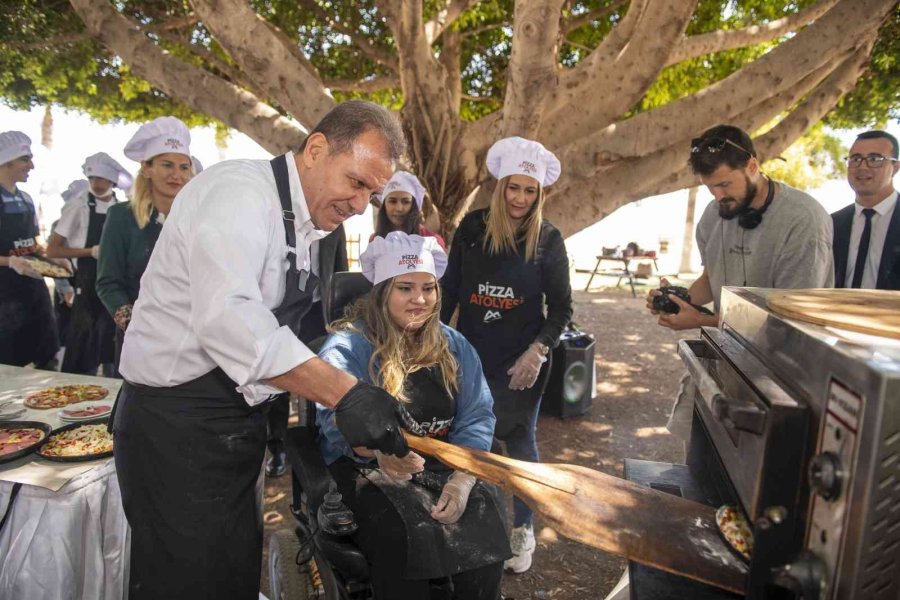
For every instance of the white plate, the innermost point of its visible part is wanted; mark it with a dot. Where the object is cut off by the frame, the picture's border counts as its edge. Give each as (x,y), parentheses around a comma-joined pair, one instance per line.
(82,406)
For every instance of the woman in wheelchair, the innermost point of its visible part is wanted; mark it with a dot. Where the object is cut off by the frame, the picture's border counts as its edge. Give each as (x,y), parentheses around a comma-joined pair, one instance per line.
(427,531)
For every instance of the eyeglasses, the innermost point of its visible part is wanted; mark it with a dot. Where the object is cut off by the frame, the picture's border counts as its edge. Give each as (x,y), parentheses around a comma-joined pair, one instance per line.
(873,161)
(713,145)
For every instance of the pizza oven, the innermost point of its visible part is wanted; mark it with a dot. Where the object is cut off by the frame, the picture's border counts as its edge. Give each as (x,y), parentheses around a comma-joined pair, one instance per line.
(799,426)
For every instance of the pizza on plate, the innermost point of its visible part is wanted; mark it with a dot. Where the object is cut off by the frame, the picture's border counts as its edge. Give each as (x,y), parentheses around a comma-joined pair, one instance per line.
(735,529)
(65,394)
(88,411)
(18,438)
(84,440)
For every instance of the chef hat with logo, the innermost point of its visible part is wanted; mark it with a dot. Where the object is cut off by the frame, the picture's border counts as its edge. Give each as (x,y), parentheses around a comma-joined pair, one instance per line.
(160,136)
(403,181)
(399,253)
(198,166)
(518,156)
(13,144)
(105,166)
(77,187)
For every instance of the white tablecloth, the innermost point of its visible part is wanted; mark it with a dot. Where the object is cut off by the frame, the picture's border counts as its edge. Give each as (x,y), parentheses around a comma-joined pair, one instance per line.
(69,544)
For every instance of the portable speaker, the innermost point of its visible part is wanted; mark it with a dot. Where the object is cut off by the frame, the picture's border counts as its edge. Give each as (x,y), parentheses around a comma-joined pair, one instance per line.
(570,387)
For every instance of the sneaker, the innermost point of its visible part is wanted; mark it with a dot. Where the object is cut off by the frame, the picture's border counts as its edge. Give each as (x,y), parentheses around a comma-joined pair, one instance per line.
(521,542)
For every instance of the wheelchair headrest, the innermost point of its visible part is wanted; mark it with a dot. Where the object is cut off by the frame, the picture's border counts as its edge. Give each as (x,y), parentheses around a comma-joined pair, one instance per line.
(346,286)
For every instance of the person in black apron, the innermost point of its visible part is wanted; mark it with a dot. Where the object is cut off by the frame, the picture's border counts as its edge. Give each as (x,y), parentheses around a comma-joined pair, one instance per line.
(438,533)
(400,208)
(27,326)
(213,338)
(506,263)
(90,338)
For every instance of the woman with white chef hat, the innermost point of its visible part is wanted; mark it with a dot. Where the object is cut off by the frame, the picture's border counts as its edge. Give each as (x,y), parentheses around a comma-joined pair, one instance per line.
(400,208)
(438,528)
(27,327)
(90,339)
(506,264)
(162,147)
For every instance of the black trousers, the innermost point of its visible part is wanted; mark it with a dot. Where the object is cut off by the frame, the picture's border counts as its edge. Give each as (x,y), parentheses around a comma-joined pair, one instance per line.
(187,460)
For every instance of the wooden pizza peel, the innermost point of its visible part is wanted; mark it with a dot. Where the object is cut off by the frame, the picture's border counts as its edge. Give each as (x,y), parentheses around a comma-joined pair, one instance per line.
(875,312)
(609,513)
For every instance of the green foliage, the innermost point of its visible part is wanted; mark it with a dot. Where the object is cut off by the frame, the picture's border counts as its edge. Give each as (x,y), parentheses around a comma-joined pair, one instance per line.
(46,58)
(810,161)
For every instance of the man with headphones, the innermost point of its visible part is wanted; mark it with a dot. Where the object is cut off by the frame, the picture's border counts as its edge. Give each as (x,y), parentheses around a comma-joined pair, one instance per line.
(757,233)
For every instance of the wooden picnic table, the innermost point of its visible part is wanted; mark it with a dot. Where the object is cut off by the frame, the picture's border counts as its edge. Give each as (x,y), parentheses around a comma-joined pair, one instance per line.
(625,271)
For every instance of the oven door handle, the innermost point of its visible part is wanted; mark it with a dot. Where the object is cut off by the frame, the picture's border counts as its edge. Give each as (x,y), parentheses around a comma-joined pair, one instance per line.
(731,414)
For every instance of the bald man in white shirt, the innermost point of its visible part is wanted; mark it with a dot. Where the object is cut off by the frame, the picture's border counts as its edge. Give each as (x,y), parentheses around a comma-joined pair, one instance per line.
(214,336)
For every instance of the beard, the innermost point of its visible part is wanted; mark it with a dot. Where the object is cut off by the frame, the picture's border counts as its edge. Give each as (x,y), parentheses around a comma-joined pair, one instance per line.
(730,207)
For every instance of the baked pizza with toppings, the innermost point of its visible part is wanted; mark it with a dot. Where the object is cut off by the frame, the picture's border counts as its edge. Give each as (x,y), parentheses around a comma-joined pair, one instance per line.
(84,440)
(735,529)
(65,394)
(18,438)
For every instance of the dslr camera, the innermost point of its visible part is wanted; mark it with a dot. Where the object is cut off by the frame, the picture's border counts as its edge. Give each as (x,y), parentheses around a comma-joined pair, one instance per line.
(662,303)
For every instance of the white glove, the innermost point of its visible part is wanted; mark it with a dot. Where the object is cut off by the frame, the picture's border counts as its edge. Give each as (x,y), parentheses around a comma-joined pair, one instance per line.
(397,468)
(454,497)
(95,251)
(525,372)
(23,267)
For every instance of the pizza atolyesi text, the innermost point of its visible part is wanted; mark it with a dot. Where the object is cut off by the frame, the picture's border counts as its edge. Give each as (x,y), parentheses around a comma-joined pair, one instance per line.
(495,296)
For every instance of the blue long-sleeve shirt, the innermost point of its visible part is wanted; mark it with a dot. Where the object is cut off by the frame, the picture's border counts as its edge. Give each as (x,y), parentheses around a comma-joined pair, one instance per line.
(473,424)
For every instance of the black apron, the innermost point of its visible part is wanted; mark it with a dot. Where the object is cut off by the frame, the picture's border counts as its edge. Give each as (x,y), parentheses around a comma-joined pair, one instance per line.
(501,314)
(27,327)
(422,548)
(91,337)
(188,458)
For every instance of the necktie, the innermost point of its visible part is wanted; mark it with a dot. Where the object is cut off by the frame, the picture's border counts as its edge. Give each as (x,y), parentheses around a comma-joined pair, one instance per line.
(863,248)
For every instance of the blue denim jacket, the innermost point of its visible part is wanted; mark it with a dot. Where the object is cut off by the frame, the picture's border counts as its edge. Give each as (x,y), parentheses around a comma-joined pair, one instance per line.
(473,425)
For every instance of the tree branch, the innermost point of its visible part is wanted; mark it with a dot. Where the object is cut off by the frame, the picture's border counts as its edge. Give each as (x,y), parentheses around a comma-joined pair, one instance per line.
(532,66)
(268,57)
(619,72)
(578,21)
(719,41)
(375,84)
(73,38)
(446,17)
(186,83)
(815,46)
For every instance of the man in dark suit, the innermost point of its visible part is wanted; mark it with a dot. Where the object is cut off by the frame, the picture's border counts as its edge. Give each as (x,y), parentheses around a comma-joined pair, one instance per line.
(332,257)
(867,233)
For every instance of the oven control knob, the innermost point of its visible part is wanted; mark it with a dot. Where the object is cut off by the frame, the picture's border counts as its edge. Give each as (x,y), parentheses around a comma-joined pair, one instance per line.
(806,577)
(826,476)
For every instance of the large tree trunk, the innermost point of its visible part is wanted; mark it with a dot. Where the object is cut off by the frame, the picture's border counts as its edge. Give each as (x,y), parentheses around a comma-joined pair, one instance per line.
(612,153)
(687,242)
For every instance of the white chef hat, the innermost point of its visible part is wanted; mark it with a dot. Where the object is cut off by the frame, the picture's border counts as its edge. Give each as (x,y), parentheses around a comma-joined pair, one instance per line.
(518,156)
(79,186)
(403,181)
(105,166)
(13,144)
(160,136)
(198,166)
(400,253)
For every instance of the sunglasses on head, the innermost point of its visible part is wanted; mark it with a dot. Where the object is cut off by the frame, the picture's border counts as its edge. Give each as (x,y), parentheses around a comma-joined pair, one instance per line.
(713,145)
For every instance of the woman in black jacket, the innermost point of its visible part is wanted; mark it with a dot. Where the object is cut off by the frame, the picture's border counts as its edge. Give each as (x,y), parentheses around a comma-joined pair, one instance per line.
(506,263)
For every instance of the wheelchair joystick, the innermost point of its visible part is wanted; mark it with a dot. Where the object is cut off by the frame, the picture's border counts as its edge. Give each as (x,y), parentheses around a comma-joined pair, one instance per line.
(333,516)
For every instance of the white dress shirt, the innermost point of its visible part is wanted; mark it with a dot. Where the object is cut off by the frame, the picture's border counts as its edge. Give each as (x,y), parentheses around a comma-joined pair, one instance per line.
(75,218)
(884,210)
(215,275)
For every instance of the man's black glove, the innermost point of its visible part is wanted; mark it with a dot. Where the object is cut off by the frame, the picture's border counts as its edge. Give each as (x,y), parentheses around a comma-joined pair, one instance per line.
(369,416)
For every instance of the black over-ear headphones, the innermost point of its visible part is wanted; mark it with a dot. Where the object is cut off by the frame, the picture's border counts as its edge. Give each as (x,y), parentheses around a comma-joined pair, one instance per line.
(750,218)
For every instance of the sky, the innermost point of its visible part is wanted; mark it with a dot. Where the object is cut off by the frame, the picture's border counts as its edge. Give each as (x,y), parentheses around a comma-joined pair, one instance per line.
(75,136)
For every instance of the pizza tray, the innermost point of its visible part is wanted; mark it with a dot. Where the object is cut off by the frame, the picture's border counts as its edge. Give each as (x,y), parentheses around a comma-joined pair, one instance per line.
(83,458)
(45,427)
(44,266)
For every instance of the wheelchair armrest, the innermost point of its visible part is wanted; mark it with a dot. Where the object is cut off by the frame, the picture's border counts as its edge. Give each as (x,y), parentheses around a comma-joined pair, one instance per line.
(308,465)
